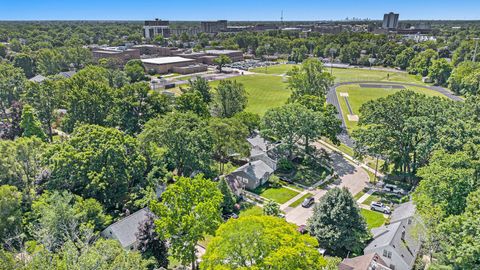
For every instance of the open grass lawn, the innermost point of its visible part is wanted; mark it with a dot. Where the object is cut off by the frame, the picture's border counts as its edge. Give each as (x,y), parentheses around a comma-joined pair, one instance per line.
(264,91)
(372,198)
(279,195)
(373,219)
(299,201)
(358,195)
(360,74)
(357,96)
(252,211)
(275,70)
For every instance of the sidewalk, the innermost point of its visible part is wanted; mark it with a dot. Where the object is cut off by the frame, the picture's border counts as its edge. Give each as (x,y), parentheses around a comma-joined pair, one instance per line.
(365,196)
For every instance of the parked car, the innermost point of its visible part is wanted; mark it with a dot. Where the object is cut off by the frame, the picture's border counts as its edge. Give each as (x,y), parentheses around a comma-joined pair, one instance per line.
(302,229)
(229,216)
(393,189)
(380,207)
(308,202)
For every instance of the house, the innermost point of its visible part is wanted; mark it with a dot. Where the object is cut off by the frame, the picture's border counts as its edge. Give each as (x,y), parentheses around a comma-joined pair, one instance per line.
(371,261)
(126,229)
(261,165)
(251,175)
(398,242)
(38,79)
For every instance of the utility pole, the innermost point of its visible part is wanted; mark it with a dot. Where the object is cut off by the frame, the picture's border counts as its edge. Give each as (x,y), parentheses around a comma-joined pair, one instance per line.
(476,47)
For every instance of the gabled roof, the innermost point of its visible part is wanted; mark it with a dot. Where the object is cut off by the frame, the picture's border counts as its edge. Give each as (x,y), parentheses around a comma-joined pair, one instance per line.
(67,74)
(258,142)
(125,230)
(403,211)
(365,262)
(38,79)
(254,170)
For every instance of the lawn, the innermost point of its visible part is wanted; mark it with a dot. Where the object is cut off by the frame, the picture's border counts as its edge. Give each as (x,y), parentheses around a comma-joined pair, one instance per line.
(357,96)
(274,70)
(252,211)
(372,198)
(299,201)
(373,219)
(264,92)
(358,74)
(358,195)
(277,194)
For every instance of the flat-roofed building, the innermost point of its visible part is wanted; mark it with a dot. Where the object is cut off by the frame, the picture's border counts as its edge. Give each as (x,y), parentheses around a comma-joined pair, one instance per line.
(151,49)
(214,27)
(234,55)
(162,65)
(120,56)
(156,27)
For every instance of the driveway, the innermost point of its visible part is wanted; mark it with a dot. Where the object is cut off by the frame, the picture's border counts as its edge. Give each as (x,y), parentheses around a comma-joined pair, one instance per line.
(351,175)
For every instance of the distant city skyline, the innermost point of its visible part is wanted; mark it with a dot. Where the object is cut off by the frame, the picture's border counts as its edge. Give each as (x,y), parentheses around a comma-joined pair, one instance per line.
(246,10)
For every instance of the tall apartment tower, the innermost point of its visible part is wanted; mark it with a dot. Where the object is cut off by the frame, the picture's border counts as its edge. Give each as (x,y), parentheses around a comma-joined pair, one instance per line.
(156,27)
(390,21)
(214,27)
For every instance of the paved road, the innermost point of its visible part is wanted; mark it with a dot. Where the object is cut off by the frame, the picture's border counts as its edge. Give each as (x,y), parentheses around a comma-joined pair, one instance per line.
(333,99)
(352,176)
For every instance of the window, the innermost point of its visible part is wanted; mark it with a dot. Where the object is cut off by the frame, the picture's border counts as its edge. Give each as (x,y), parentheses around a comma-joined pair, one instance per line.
(409,221)
(385,253)
(389,255)
(392,266)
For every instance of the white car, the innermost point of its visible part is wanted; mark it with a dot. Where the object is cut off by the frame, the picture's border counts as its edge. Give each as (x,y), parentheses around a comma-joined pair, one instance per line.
(393,189)
(380,207)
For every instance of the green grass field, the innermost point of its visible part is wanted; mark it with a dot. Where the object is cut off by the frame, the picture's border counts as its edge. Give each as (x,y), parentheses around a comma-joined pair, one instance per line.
(358,74)
(358,96)
(274,70)
(264,92)
(279,195)
(299,201)
(373,219)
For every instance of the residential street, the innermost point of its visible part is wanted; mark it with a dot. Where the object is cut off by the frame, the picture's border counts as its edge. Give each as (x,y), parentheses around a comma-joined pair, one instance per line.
(352,176)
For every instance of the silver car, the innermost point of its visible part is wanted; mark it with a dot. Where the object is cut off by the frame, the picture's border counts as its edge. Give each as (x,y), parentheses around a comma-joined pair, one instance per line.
(380,207)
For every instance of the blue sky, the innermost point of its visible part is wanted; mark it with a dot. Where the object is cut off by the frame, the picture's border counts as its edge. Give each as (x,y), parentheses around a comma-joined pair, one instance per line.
(234,10)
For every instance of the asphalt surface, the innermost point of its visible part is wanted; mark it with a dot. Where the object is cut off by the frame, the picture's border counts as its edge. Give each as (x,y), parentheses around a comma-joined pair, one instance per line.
(333,99)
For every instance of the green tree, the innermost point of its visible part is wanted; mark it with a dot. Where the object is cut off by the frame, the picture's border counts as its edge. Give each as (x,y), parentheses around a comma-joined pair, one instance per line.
(229,99)
(30,124)
(134,105)
(135,70)
(45,98)
(229,138)
(193,102)
(21,162)
(229,199)
(403,59)
(298,54)
(190,209)
(271,208)
(26,63)
(310,79)
(422,61)
(3,51)
(337,223)
(184,138)
(402,128)
(221,61)
(440,71)
(261,242)
(15,45)
(49,62)
(97,162)
(78,56)
(57,218)
(12,87)
(159,40)
(11,214)
(202,86)
(150,243)
(250,120)
(455,81)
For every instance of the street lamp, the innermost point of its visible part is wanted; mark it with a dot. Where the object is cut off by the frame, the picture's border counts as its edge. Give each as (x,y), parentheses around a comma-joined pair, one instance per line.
(332,52)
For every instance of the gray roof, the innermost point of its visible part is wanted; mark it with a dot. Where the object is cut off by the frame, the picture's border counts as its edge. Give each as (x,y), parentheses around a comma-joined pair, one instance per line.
(125,230)
(403,211)
(255,169)
(38,78)
(67,74)
(258,142)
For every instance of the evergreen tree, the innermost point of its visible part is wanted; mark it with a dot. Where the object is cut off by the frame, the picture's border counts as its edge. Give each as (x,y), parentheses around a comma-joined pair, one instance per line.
(229,199)
(30,124)
(149,242)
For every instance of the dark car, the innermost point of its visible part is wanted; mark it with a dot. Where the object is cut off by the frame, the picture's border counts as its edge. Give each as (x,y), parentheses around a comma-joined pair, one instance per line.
(308,202)
(302,229)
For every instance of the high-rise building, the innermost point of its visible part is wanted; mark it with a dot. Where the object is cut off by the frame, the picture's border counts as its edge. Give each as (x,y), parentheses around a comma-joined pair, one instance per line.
(390,21)
(214,27)
(156,27)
